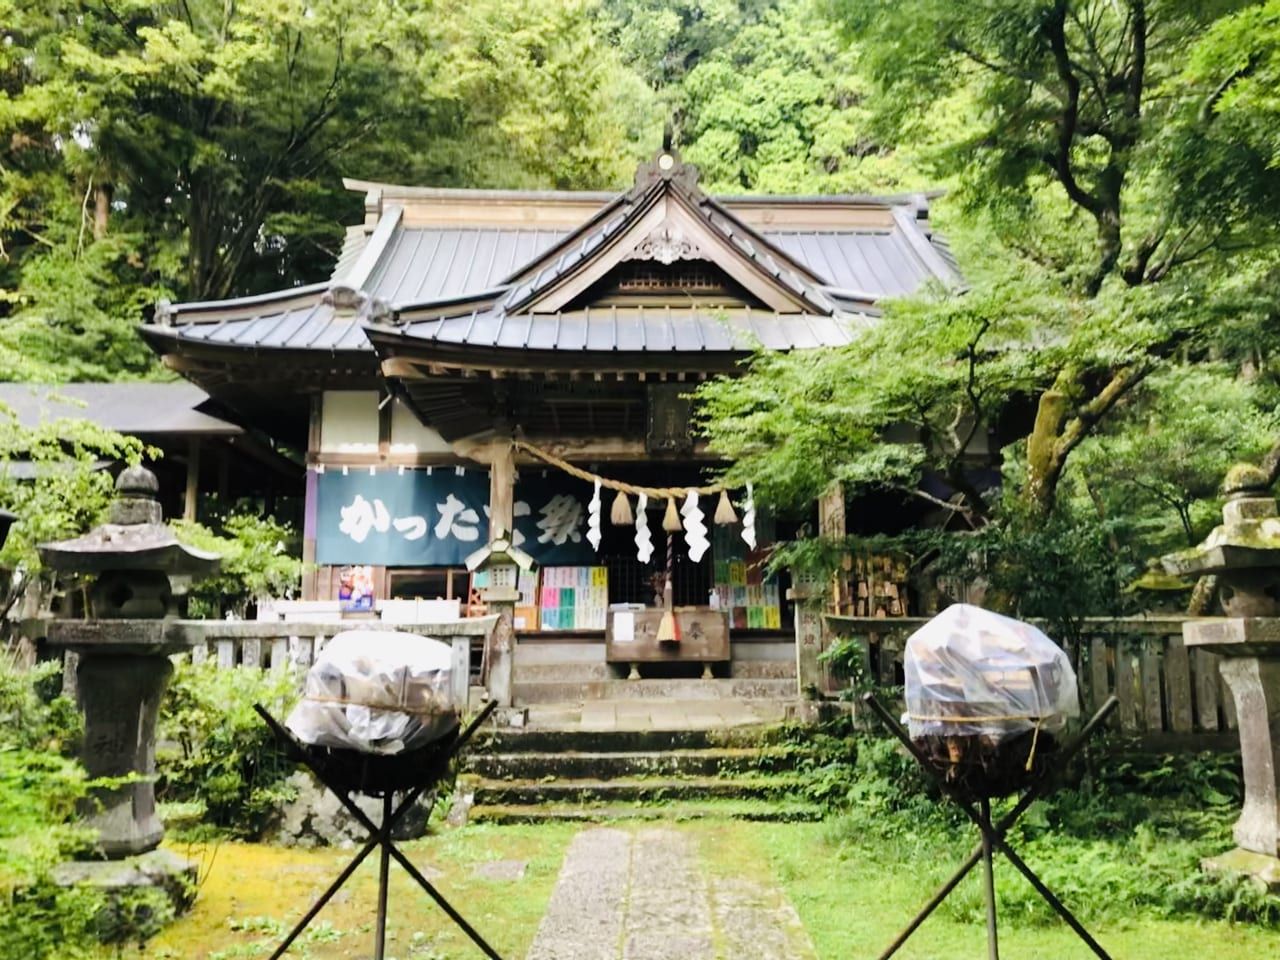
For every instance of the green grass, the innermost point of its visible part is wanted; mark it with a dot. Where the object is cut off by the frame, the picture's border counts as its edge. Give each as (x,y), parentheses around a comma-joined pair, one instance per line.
(252,894)
(855,894)
(854,888)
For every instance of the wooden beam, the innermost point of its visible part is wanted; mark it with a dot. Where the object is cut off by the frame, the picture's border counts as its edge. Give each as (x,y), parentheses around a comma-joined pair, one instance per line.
(191,501)
(403,368)
(315,423)
(600,449)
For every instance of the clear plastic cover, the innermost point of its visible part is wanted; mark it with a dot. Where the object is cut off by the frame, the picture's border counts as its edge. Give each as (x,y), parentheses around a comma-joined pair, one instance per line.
(377,692)
(969,671)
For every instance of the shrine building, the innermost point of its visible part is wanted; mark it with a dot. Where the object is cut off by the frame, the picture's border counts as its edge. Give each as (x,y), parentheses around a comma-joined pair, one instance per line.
(479,358)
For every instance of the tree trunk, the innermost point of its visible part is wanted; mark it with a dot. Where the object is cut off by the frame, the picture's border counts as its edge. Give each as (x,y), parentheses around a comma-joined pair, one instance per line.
(1044,466)
(102,209)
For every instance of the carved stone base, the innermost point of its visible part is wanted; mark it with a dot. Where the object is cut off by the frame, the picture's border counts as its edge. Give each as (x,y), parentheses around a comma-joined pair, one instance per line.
(1264,870)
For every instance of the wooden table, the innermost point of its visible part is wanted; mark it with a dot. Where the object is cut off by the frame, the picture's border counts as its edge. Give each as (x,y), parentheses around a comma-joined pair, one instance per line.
(631,636)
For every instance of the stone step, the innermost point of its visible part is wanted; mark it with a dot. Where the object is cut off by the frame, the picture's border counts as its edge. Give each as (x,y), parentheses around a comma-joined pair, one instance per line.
(716,761)
(755,810)
(763,670)
(631,790)
(579,671)
(553,740)
(526,693)
(569,672)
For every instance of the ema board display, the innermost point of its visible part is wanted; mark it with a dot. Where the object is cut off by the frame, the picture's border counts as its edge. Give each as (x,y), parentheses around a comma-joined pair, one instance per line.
(751,600)
(573,598)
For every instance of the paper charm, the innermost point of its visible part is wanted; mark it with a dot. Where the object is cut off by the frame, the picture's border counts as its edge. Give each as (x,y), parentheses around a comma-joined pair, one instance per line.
(695,531)
(749,519)
(593,519)
(644,542)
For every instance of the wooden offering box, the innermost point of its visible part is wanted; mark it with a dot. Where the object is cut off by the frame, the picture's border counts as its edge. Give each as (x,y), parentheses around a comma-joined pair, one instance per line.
(632,636)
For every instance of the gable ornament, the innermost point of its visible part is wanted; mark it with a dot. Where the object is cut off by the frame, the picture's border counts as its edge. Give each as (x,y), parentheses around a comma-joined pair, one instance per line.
(667,244)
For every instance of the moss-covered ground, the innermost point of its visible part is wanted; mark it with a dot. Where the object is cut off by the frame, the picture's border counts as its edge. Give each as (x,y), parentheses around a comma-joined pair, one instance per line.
(853,892)
(251,894)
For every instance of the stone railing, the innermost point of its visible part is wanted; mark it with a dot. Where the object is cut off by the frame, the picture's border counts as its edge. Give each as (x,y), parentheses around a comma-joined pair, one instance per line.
(1166,691)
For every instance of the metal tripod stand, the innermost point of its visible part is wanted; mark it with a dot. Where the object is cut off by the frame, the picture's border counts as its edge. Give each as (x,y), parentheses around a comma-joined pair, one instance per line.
(993,837)
(346,772)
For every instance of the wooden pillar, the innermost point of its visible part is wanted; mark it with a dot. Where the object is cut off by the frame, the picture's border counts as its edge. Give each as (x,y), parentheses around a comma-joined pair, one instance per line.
(501,599)
(193,479)
(831,526)
(806,593)
(224,475)
(502,488)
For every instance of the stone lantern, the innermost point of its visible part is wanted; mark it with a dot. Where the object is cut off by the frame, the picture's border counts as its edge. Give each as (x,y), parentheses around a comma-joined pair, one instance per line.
(123,651)
(1244,554)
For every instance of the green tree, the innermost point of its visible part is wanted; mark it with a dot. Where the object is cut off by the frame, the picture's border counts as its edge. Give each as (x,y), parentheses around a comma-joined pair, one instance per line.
(534,98)
(51,477)
(1095,259)
(260,559)
(780,107)
(662,40)
(193,149)
(1157,466)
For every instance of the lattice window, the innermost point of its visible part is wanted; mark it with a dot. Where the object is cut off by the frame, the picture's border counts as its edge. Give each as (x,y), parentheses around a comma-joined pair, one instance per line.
(690,275)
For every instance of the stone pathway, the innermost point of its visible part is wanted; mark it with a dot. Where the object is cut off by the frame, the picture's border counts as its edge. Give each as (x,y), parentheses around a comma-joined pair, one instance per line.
(647,895)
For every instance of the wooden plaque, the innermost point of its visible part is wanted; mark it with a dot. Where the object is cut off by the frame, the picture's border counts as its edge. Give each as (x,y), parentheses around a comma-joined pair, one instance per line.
(632,636)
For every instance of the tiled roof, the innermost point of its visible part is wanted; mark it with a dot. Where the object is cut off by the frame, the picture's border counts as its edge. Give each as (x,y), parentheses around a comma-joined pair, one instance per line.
(312,325)
(637,330)
(834,273)
(148,409)
(437,263)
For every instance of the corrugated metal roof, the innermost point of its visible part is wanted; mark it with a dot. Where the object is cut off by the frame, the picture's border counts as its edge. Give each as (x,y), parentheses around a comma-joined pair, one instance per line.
(640,330)
(634,206)
(353,244)
(422,264)
(882,263)
(312,326)
(136,408)
(446,268)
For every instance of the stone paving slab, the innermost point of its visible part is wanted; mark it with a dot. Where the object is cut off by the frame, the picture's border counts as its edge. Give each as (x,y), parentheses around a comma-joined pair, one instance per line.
(648,895)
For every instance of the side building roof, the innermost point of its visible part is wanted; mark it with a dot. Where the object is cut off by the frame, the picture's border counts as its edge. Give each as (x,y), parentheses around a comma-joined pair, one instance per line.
(140,409)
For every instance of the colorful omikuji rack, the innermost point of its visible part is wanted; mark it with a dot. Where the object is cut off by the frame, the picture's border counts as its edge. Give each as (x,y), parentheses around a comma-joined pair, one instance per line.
(349,771)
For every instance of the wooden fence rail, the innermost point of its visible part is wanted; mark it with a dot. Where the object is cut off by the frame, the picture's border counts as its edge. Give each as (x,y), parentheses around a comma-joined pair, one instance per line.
(276,645)
(1165,690)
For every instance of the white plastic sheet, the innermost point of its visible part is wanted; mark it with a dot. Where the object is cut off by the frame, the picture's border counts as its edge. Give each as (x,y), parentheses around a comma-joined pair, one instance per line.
(378,692)
(969,671)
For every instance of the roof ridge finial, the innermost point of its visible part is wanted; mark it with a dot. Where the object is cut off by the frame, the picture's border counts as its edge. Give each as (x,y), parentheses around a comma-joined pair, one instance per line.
(667,165)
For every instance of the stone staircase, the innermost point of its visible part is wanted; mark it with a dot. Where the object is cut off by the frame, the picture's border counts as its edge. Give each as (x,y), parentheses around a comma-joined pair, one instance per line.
(596,746)
(532,774)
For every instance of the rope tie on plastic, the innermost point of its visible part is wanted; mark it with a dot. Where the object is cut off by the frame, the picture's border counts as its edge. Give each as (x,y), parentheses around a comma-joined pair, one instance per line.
(1035,738)
(927,718)
(429,711)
